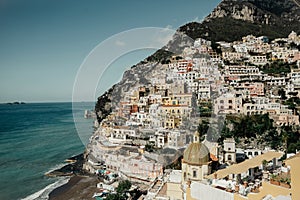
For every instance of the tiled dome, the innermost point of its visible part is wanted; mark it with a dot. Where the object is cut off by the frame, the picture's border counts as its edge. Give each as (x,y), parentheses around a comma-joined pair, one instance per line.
(196,153)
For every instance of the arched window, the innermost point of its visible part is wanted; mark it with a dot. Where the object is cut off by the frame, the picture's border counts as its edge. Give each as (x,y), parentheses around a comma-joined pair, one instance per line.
(229,157)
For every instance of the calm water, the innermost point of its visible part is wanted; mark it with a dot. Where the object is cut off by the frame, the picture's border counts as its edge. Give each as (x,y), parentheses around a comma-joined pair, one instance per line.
(35,138)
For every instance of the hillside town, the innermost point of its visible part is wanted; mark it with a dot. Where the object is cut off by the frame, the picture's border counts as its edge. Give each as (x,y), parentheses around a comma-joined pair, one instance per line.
(152,137)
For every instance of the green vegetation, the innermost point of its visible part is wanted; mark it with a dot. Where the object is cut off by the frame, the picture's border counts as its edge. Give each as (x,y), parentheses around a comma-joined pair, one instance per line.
(205,109)
(281,93)
(203,128)
(260,127)
(293,45)
(264,164)
(121,190)
(276,7)
(248,126)
(229,29)
(290,138)
(150,147)
(100,108)
(278,67)
(292,102)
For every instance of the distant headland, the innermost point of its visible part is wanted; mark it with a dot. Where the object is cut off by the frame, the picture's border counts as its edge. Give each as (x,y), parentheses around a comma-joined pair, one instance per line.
(16,103)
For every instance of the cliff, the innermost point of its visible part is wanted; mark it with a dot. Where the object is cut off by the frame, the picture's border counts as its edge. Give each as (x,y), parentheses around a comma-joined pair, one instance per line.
(233,19)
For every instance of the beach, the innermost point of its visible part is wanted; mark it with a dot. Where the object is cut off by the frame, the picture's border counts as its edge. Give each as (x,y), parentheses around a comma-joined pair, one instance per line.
(77,188)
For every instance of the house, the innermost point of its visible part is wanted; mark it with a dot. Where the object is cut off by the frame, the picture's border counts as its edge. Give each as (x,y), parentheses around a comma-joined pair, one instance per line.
(228,103)
(176,139)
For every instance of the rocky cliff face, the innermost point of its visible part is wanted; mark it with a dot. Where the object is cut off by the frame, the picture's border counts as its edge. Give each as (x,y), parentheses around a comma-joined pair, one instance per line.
(258,11)
(233,19)
(137,75)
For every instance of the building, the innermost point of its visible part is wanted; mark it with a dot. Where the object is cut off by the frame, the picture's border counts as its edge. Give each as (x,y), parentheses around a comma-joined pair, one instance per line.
(195,162)
(258,60)
(228,103)
(229,150)
(176,139)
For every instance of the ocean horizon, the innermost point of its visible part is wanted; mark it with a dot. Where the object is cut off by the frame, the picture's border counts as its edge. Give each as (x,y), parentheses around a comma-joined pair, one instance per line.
(36,138)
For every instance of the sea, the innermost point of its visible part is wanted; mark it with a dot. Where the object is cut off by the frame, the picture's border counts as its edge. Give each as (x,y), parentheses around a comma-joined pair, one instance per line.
(36,138)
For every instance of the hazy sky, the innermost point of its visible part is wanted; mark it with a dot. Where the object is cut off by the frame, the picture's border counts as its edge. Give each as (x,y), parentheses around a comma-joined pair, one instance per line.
(44,42)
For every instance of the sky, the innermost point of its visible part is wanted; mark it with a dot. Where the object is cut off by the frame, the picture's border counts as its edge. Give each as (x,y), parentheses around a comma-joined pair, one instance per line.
(44,43)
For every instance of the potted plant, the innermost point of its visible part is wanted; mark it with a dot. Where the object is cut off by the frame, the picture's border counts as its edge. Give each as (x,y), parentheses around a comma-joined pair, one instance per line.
(274,180)
(264,164)
(265,172)
(285,182)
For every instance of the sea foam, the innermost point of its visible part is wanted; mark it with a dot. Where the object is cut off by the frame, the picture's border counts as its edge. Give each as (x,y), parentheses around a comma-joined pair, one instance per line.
(43,194)
(56,167)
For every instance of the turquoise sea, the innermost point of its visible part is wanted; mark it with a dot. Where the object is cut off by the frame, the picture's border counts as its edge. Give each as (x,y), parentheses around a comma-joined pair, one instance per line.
(34,139)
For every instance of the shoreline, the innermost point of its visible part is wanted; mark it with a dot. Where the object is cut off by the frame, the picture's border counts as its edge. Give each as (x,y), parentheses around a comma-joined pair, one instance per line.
(81,185)
(77,188)
(73,167)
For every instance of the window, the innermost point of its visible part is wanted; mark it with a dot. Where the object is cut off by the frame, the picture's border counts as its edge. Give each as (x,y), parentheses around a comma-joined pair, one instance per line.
(221,101)
(194,174)
(229,157)
(229,148)
(229,101)
(256,153)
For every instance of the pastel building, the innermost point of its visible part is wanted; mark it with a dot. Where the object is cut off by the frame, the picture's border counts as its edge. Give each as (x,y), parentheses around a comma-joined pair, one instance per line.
(196,161)
(228,103)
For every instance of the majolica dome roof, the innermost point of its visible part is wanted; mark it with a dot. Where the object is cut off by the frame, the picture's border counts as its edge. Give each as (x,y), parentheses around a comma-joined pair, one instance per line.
(196,153)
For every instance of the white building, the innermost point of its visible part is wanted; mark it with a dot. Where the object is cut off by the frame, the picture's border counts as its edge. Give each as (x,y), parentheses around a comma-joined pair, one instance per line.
(176,139)
(229,150)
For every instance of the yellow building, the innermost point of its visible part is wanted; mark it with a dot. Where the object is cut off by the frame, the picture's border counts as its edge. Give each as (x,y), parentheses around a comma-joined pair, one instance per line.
(172,115)
(195,162)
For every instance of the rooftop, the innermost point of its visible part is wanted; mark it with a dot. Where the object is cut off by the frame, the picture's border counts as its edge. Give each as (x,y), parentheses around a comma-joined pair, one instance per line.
(175,176)
(244,166)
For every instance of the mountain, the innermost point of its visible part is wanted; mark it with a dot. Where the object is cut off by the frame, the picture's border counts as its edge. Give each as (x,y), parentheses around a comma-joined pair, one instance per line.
(229,21)
(233,19)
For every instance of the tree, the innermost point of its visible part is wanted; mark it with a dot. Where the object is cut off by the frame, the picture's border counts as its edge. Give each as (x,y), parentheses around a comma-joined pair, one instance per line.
(122,188)
(203,127)
(149,147)
(264,164)
(281,93)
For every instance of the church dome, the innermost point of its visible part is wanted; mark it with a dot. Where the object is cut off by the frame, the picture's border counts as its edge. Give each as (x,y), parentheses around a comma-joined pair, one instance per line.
(196,153)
